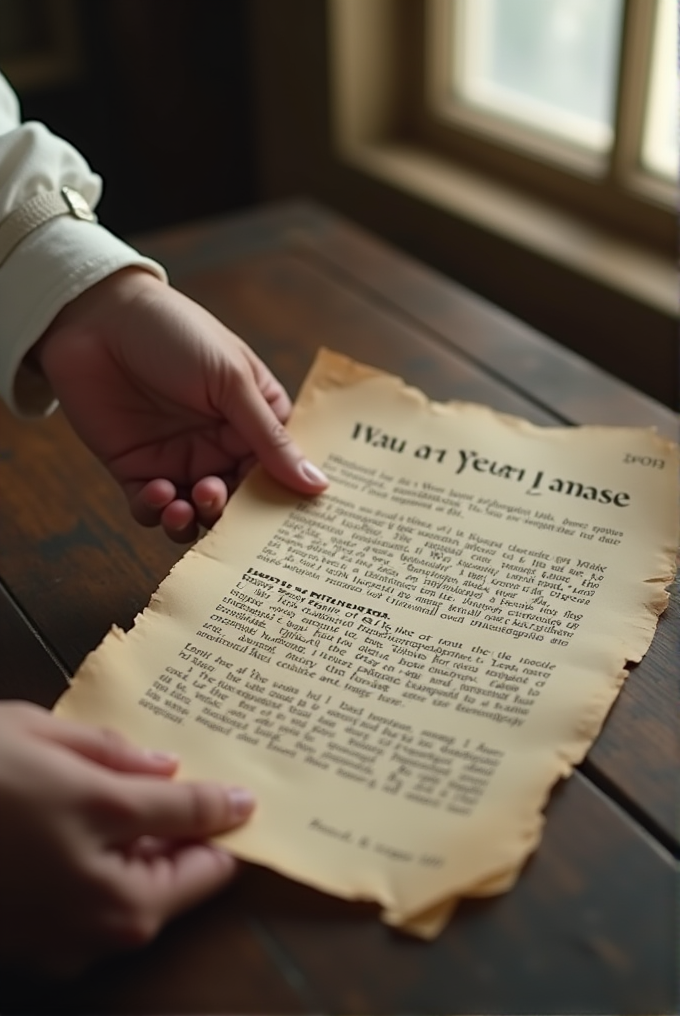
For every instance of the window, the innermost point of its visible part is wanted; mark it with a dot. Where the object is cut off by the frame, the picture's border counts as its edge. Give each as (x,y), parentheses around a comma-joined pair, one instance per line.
(359,108)
(659,151)
(548,66)
(574,99)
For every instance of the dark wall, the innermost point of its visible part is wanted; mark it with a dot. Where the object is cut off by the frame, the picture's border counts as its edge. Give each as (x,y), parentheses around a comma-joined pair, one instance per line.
(161,108)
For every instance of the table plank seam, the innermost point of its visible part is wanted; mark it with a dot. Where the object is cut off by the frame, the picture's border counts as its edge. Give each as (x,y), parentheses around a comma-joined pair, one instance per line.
(286,966)
(334,231)
(661,840)
(619,798)
(44,643)
(349,281)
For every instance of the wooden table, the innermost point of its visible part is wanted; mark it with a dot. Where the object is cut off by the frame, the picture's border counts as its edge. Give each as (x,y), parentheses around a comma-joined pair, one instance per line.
(592,925)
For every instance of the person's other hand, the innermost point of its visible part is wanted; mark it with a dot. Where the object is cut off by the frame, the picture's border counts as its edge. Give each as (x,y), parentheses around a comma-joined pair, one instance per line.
(173,403)
(98,846)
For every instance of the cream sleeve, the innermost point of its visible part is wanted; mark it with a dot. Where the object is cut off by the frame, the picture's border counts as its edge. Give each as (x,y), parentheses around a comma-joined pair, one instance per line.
(54,262)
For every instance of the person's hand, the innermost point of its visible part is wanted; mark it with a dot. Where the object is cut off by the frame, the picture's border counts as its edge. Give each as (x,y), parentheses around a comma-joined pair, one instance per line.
(98,846)
(173,403)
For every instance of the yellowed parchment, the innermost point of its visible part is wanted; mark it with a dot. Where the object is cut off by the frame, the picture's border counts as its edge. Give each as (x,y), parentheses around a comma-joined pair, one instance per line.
(402,668)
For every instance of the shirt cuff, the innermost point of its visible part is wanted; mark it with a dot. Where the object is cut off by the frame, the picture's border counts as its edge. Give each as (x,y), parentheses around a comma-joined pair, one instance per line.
(52,266)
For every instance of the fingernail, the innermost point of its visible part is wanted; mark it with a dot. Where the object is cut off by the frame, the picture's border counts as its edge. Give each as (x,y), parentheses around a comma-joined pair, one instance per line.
(241,800)
(312,472)
(163,757)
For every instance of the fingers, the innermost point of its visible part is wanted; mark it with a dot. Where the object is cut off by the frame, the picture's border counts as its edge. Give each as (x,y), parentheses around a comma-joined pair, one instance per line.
(149,501)
(107,748)
(198,870)
(179,521)
(259,425)
(155,888)
(179,811)
(157,843)
(209,496)
(158,503)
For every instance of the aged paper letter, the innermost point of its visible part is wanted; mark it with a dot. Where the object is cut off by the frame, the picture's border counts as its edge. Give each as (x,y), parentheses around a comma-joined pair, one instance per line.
(401,668)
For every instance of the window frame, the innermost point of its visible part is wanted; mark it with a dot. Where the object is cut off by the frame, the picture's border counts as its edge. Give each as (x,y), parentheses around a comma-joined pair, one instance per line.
(612,189)
(333,117)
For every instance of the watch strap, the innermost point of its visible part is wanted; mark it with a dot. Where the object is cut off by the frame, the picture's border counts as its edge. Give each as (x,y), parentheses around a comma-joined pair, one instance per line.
(38,210)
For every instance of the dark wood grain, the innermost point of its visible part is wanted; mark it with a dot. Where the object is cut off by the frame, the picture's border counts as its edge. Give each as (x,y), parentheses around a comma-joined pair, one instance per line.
(562,941)
(73,558)
(591,925)
(570,386)
(286,309)
(215,959)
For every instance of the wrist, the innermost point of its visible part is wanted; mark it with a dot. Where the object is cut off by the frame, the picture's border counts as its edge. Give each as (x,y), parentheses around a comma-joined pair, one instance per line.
(93,306)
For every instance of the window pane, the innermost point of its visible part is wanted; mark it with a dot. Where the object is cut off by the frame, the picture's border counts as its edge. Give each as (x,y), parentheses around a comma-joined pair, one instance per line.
(550,64)
(660,139)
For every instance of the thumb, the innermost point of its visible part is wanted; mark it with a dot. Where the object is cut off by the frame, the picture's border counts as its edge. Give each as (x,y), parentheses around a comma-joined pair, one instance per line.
(179,811)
